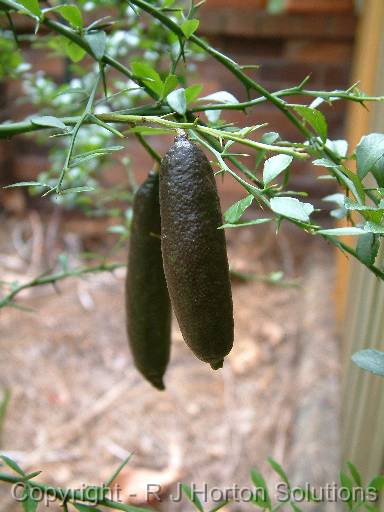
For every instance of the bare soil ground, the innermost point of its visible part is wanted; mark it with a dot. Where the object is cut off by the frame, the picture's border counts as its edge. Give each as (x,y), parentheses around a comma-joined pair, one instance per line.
(78,406)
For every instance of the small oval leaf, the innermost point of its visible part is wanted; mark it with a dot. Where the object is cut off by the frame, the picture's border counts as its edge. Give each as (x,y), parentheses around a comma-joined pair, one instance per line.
(292,208)
(177,101)
(371,360)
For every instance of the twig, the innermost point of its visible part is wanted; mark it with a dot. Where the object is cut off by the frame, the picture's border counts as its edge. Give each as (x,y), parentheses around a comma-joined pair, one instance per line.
(54,278)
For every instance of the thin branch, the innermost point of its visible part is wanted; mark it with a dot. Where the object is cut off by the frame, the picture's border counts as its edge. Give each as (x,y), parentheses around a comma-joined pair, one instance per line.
(75,131)
(111,117)
(235,69)
(347,248)
(54,278)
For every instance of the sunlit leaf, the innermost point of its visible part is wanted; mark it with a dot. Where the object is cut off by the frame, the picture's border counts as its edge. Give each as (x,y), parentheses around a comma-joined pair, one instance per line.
(192,92)
(292,208)
(51,121)
(368,151)
(170,84)
(149,76)
(274,166)
(177,101)
(347,231)
(220,97)
(72,14)
(32,6)
(97,41)
(234,212)
(189,27)
(315,118)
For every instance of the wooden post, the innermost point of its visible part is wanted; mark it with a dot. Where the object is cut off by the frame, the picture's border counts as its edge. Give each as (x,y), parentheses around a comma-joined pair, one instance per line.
(357,289)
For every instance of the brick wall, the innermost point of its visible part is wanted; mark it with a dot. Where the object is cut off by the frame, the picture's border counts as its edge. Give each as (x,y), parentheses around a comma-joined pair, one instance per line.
(313,38)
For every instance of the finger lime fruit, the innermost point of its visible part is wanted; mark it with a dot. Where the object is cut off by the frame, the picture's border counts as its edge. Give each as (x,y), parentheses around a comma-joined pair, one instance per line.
(148,307)
(194,252)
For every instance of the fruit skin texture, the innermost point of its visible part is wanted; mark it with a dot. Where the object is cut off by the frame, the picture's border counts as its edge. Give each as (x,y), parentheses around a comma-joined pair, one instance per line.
(148,307)
(194,252)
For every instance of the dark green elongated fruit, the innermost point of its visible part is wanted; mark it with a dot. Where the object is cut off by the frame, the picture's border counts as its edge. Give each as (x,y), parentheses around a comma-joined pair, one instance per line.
(148,307)
(194,252)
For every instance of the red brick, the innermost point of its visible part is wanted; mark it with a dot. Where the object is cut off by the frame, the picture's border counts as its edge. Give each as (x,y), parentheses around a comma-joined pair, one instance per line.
(329,6)
(252,23)
(324,52)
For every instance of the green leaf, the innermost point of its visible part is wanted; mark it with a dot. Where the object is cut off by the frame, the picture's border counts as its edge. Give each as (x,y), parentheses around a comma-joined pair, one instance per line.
(347,231)
(337,198)
(373,227)
(189,27)
(54,122)
(274,166)
(352,205)
(355,474)
(177,101)
(266,138)
(29,504)
(377,483)
(118,470)
(234,212)
(77,190)
(74,51)
(220,97)
(85,508)
(32,475)
(279,470)
(32,6)
(12,464)
(213,116)
(259,482)
(97,41)
(351,181)
(324,162)
(340,147)
(244,224)
(367,248)
(192,92)
(292,208)
(170,84)
(347,482)
(72,14)
(96,153)
(315,118)
(149,76)
(269,137)
(27,184)
(368,151)
(193,497)
(371,360)
(378,171)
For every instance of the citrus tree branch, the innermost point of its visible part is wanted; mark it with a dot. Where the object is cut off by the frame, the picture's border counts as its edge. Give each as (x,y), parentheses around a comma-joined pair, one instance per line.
(235,69)
(298,152)
(7,299)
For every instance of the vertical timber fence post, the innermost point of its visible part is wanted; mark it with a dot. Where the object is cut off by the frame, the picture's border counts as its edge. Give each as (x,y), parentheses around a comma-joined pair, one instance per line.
(360,295)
